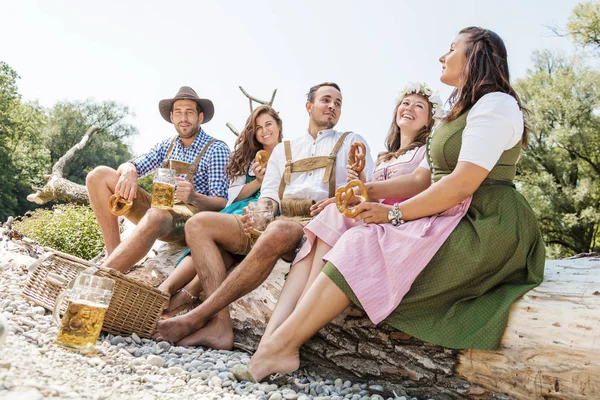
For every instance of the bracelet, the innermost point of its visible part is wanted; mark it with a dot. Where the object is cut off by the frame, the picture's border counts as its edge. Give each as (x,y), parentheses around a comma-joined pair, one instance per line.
(395,216)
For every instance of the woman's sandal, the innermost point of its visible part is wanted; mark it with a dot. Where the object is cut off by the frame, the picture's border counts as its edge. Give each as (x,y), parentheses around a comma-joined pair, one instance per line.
(182,308)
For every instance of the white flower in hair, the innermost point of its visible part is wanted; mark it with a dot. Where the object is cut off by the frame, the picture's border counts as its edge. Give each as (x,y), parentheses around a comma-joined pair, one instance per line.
(425,91)
(412,87)
(435,99)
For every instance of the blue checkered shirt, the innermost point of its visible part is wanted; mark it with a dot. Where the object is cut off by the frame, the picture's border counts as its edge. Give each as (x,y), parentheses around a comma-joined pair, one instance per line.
(210,178)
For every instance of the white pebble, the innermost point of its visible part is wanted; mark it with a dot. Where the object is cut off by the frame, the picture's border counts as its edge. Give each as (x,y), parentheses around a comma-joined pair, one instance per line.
(215,381)
(155,360)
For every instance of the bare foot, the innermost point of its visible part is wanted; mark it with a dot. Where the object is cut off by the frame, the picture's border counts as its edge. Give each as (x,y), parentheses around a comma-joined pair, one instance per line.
(272,357)
(216,334)
(176,328)
(178,302)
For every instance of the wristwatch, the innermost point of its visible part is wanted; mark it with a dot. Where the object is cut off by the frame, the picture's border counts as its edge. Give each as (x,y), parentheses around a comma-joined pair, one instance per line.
(395,215)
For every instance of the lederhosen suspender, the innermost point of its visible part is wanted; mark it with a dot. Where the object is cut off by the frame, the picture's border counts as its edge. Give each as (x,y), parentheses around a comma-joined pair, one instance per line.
(182,167)
(311,163)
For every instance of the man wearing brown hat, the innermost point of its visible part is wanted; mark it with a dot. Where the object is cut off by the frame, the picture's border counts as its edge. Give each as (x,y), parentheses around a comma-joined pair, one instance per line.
(192,153)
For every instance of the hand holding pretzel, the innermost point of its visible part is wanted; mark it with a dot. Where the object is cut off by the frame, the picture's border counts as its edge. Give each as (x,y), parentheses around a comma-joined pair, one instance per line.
(356,156)
(262,158)
(118,206)
(345,197)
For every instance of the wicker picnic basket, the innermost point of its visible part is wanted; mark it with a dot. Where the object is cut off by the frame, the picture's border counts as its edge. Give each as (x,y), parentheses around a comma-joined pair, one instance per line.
(135,307)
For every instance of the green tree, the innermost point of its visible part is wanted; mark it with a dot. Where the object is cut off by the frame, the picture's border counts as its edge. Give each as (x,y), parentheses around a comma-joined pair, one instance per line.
(584,24)
(560,169)
(22,156)
(69,120)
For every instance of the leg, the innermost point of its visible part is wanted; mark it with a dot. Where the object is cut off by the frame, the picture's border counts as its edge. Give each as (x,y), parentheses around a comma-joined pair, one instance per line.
(301,277)
(100,183)
(280,238)
(280,353)
(290,293)
(218,331)
(322,248)
(181,275)
(155,224)
(210,237)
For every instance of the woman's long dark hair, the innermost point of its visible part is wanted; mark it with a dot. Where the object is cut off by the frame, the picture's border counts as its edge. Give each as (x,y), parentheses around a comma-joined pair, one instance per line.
(486,71)
(393,144)
(246,145)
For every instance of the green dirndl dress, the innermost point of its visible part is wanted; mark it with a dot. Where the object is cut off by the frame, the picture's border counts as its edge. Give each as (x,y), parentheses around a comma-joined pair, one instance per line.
(494,256)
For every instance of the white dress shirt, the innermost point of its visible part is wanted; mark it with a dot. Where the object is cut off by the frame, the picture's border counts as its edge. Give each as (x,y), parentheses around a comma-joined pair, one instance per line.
(310,185)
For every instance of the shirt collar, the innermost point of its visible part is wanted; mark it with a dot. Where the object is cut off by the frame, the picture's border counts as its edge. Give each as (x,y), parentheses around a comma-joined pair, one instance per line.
(199,141)
(323,133)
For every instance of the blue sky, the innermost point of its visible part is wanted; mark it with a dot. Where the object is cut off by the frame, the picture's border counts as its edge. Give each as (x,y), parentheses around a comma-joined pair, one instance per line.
(138,52)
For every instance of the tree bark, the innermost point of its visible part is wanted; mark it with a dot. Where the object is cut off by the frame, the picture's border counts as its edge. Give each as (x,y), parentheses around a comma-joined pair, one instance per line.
(59,188)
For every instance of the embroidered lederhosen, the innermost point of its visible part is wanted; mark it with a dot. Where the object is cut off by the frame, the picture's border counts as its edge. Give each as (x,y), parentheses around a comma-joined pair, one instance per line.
(291,207)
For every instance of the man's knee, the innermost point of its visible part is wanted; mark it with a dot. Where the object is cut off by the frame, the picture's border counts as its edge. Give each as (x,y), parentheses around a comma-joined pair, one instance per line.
(162,220)
(101,174)
(285,231)
(205,222)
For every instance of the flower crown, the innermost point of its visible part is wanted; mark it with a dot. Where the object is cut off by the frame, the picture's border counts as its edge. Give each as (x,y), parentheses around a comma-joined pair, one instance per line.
(425,91)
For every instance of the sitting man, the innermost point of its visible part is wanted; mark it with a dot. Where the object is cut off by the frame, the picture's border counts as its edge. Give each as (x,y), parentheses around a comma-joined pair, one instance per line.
(216,239)
(192,153)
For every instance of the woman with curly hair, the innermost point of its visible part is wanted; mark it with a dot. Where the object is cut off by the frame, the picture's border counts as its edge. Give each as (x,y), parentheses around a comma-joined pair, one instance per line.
(263,131)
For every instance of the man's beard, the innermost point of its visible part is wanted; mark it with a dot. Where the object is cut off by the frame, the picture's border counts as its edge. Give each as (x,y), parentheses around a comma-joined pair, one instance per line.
(325,123)
(193,131)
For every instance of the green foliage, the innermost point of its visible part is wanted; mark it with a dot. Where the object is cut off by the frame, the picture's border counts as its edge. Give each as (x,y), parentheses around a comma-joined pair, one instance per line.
(560,169)
(22,155)
(146,183)
(584,24)
(68,122)
(68,228)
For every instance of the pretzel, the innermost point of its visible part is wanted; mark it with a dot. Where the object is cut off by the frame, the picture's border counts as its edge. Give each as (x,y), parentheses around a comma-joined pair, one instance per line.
(118,206)
(356,156)
(262,158)
(350,197)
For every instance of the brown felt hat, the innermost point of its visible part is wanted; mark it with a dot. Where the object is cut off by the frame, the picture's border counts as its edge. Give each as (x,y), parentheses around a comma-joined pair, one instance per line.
(186,93)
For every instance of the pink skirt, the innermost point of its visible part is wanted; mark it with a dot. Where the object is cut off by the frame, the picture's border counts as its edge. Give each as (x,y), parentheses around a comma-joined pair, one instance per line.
(382,269)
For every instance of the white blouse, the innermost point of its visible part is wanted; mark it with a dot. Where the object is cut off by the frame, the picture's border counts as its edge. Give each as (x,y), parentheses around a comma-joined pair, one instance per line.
(236,186)
(494,124)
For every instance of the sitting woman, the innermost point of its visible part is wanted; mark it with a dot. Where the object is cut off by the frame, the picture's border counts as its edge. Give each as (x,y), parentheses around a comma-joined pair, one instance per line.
(445,265)
(412,121)
(263,131)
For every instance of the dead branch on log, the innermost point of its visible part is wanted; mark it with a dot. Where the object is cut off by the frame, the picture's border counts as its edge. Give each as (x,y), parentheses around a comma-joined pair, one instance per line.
(59,188)
(250,100)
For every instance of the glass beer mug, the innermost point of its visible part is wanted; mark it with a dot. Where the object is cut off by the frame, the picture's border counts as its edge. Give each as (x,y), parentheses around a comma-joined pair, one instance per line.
(163,188)
(261,215)
(82,322)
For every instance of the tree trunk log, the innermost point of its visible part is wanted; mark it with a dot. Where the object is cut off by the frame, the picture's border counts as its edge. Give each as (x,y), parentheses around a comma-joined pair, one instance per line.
(551,347)
(58,188)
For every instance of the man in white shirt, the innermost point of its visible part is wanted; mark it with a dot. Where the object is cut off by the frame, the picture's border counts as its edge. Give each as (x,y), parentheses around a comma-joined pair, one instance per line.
(216,239)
